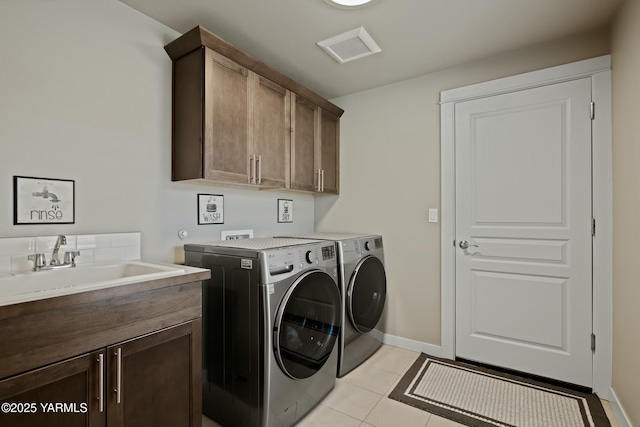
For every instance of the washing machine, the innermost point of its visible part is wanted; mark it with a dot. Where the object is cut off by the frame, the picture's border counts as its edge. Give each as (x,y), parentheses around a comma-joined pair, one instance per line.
(271,321)
(363,290)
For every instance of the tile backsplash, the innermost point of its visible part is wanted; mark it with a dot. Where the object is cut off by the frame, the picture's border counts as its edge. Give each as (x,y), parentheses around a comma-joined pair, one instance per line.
(94,249)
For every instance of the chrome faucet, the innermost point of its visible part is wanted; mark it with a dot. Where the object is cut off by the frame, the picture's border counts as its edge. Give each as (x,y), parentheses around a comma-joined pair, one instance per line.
(62,240)
(40,261)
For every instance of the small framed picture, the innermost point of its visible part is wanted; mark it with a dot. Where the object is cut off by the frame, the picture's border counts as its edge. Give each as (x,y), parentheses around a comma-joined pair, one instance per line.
(43,200)
(210,209)
(285,210)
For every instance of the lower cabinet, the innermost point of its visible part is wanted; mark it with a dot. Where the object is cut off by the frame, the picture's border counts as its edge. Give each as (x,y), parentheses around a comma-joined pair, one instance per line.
(152,380)
(33,399)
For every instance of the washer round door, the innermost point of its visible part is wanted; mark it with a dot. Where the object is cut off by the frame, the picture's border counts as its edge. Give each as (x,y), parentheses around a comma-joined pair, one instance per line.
(307,324)
(366,294)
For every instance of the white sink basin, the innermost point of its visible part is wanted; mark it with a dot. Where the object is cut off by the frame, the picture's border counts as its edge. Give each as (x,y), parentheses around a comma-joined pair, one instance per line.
(36,285)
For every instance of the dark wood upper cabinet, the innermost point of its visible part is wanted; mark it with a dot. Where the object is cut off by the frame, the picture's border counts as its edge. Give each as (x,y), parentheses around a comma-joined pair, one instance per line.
(304,144)
(329,157)
(211,118)
(315,147)
(271,133)
(227,114)
(236,120)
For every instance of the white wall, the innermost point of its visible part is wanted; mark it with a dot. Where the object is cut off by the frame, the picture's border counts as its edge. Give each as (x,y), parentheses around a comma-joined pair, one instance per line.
(390,174)
(626,208)
(85,94)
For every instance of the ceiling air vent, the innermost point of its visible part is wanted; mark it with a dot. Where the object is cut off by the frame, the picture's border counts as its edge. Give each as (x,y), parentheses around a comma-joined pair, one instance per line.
(354,44)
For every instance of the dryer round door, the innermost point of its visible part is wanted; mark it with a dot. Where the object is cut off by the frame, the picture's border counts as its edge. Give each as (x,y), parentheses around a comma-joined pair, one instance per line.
(307,324)
(366,294)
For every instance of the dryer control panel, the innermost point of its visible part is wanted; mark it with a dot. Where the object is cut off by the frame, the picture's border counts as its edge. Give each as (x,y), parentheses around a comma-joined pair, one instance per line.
(371,244)
(353,250)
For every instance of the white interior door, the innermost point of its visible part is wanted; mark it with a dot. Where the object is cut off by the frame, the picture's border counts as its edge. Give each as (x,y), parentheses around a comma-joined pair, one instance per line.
(523,204)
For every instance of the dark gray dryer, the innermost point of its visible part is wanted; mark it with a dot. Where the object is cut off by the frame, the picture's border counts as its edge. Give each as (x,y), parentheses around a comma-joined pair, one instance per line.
(363,288)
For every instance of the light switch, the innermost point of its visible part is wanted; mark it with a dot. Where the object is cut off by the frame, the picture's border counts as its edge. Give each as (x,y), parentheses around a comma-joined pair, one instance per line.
(433,215)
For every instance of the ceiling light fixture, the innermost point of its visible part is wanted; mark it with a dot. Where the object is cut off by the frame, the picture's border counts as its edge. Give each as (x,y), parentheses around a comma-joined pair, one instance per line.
(350,4)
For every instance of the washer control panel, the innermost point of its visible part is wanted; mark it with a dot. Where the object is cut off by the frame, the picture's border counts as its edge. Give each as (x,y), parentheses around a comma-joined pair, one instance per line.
(292,259)
(320,254)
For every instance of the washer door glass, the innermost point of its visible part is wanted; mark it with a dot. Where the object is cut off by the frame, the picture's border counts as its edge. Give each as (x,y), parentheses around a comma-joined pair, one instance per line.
(366,294)
(307,324)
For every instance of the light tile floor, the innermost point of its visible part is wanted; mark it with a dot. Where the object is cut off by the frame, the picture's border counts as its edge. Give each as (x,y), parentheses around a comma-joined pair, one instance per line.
(359,399)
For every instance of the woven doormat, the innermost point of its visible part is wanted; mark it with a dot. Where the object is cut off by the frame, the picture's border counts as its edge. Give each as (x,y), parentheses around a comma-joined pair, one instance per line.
(476,396)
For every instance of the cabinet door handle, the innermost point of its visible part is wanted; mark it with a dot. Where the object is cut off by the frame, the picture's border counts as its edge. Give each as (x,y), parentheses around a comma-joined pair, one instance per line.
(118,388)
(322,181)
(252,169)
(101,381)
(319,182)
(259,163)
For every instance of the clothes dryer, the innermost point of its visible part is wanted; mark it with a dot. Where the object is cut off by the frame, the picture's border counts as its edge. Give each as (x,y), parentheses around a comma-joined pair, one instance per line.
(363,289)
(271,319)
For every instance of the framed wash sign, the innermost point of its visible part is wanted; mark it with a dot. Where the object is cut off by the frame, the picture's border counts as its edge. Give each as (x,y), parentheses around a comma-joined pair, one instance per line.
(43,201)
(210,209)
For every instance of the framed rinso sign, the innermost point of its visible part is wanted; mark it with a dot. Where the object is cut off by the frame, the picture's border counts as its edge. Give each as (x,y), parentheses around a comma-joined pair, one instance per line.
(43,201)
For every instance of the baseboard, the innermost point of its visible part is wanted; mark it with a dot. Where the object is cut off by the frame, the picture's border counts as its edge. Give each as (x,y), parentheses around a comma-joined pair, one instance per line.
(623,419)
(408,344)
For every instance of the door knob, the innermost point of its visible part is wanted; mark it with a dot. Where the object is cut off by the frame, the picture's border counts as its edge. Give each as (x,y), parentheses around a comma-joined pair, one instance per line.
(464,244)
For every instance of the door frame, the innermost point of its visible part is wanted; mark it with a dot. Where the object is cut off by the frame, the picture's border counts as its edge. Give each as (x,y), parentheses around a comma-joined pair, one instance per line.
(599,69)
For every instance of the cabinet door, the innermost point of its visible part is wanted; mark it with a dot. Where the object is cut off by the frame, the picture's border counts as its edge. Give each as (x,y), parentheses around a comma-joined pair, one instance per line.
(271,132)
(304,143)
(155,380)
(65,394)
(226,119)
(330,152)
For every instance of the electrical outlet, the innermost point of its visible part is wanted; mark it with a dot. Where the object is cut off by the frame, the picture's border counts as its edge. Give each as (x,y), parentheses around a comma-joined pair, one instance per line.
(236,234)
